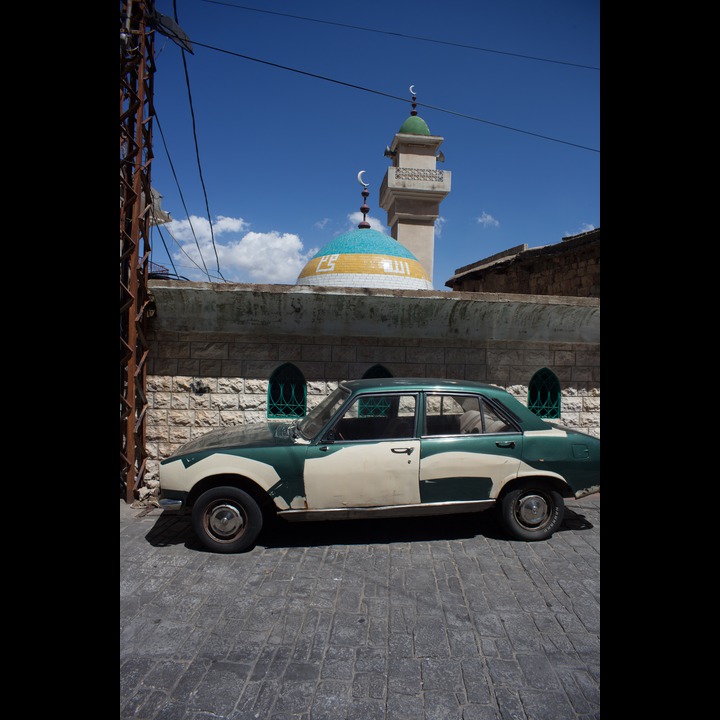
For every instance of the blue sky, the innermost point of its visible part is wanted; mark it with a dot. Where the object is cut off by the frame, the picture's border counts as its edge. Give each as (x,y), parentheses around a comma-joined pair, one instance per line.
(267,132)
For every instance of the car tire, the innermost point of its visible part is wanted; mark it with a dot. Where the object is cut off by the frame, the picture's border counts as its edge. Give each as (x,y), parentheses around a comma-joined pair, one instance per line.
(226,519)
(532,512)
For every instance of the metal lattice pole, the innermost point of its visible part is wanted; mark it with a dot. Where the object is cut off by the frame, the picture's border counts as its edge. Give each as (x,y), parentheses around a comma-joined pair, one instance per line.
(136,111)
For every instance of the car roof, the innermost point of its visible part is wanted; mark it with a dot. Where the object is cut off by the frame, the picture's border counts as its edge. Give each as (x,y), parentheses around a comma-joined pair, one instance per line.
(412,383)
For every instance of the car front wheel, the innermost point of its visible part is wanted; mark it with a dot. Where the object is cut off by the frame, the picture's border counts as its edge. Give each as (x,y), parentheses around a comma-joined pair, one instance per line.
(226,519)
(532,512)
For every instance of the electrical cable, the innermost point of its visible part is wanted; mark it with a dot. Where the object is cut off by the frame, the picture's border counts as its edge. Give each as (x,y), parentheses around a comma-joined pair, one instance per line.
(402,35)
(182,200)
(167,251)
(197,153)
(190,259)
(199,164)
(393,97)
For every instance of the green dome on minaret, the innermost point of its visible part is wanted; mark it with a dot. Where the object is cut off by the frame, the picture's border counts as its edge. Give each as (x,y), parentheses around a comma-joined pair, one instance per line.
(415,125)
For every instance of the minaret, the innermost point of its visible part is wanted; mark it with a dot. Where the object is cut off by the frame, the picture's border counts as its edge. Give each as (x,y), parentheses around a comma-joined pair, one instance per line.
(413,187)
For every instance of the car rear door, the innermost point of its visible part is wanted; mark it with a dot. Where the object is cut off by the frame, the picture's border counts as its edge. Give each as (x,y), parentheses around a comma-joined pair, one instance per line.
(468,452)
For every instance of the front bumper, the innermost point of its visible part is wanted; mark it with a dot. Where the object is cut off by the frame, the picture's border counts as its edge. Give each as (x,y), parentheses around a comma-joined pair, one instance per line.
(172,500)
(167,504)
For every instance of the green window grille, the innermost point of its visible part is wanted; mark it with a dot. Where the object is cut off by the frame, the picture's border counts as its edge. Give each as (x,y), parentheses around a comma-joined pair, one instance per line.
(544,394)
(373,407)
(377,407)
(287,393)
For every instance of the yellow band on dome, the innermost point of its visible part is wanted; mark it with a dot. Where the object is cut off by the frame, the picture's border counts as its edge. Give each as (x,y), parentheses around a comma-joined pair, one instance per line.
(364,263)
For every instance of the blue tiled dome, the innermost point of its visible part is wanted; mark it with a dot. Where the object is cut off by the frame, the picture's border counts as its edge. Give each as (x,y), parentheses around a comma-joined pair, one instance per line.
(365,241)
(365,258)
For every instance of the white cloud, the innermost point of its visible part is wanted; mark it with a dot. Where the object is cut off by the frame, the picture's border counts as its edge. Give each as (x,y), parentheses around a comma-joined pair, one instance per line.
(585,227)
(269,257)
(487,220)
(354,219)
(227,224)
(322,223)
(199,227)
(439,225)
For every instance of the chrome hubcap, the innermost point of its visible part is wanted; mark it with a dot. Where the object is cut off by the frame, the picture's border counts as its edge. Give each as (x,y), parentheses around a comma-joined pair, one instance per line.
(532,510)
(225,521)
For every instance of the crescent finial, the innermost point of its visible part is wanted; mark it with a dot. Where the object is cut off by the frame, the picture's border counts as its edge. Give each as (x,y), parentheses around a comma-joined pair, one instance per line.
(360,180)
(412,89)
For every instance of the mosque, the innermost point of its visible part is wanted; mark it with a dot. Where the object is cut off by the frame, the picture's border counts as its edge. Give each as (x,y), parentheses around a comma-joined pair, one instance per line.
(411,193)
(364,306)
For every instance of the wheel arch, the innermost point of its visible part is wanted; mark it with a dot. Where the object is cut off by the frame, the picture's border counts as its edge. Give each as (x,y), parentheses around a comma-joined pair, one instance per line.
(241,482)
(551,482)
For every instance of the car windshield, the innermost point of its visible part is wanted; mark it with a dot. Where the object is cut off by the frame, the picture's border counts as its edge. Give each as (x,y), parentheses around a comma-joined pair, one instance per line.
(318,417)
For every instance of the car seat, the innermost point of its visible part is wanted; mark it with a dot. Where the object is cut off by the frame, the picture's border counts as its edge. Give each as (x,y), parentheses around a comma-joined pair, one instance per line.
(471,422)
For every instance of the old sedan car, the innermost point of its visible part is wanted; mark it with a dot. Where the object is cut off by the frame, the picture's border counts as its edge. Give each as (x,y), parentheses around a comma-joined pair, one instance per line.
(384,448)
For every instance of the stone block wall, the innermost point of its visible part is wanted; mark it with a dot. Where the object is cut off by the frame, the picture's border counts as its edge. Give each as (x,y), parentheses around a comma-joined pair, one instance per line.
(198,381)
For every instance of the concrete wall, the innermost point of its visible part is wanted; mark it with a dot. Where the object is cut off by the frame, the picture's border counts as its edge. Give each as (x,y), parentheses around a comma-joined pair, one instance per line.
(215,346)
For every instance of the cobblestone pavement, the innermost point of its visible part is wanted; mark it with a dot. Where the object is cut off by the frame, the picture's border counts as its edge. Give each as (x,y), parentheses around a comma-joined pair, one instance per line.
(413,619)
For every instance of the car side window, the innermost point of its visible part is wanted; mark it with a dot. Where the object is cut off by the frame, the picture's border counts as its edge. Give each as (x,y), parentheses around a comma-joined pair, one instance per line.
(378,417)
(493,422)
(450,414)
(461,415)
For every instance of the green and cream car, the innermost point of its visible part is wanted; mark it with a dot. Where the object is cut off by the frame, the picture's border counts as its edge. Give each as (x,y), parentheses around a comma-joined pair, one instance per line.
(386,447)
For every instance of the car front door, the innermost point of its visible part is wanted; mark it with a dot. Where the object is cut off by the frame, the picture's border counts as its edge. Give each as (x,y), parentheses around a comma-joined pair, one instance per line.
(371,456)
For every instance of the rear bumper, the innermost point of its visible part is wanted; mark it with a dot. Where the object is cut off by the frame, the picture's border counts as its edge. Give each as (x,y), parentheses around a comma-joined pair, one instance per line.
(587,491)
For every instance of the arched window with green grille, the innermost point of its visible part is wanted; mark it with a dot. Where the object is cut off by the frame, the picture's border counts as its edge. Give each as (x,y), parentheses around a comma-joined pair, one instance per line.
(379,407)
(544,394)
(287,393)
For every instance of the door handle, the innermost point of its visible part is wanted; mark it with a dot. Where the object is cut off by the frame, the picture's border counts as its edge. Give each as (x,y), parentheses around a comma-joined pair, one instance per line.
(508,444)
(403,450)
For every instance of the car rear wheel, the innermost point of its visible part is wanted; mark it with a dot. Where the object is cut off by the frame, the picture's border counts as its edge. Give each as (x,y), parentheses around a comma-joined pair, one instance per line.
(226,519)
(532,512)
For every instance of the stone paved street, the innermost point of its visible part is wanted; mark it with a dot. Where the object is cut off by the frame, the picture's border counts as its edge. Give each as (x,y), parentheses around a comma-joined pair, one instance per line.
(413,619)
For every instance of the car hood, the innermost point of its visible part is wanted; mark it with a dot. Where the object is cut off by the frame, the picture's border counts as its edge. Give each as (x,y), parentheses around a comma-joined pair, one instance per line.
(256,435)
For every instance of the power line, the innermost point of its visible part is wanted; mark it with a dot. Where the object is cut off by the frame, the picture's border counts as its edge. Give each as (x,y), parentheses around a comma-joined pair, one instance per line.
(182,200)
(167,252)
(178,33)
(402,35)
(388,95)
(197,155)
(193,263)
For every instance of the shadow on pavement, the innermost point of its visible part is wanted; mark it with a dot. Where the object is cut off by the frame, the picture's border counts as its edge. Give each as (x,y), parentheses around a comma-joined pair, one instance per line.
(575,521)
(173,528)
(380,531)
